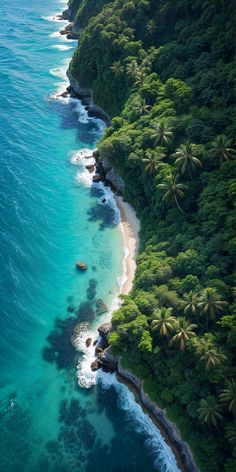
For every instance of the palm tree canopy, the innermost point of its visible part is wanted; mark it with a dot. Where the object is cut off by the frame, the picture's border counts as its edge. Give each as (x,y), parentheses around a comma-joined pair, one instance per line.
(184,333)
(164,321)
(161,133)
(228,396)
(151,26)
(185,158)
(132,69)
(190,302)
(153,160)
(117,68)
(141,77)
(221,148)
(174,191)
(208,352)
(210,302)
(209,411)
(141,107)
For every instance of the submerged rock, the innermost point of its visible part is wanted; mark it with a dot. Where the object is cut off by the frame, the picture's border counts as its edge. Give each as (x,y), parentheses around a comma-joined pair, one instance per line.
(70,308)
(101,307)
(86,312)
(91,291)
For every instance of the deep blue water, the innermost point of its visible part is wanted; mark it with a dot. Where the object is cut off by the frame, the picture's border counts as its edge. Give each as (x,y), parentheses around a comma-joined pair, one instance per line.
(50,217)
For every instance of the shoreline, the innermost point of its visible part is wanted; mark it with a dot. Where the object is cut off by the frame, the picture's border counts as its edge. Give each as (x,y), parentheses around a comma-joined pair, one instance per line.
(130,226)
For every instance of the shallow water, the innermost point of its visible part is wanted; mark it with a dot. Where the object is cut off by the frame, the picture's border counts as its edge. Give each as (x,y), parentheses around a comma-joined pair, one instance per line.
(50,217)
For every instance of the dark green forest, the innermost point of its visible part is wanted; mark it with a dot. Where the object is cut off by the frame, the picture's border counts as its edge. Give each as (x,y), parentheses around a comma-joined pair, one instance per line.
(165,72)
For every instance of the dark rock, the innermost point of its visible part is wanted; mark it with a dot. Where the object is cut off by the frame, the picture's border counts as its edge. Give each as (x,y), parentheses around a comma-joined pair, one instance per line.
(88,342)
(96,365)
(98,350)
(96,154)
(101,307)
(90,168)
(64,94)
(97,178)
(100,345)
(81,265)
(109,361)
(105,330)
(73,35)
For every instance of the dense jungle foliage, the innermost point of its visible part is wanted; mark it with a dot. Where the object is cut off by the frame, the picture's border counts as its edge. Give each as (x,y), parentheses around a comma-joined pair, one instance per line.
(165,72)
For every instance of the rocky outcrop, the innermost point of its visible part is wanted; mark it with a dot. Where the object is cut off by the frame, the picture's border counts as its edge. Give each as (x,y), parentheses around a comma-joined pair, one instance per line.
(108,360)
(116,180)
(169,428)
(104,331)
(85,95)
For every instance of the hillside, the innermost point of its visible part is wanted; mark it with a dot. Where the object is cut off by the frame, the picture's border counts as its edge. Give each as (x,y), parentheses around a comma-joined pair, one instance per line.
(165,72)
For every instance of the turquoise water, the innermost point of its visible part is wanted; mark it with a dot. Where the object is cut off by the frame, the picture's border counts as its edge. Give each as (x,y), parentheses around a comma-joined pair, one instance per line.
(50,217)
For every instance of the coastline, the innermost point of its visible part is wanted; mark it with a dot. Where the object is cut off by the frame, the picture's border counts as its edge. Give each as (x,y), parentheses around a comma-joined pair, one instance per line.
(130,226)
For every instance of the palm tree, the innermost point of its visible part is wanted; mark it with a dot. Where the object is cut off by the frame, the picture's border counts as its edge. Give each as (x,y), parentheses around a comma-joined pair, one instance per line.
(228,396)
(221,148)
(210,304)
(184,333)
(185,159)
(117,68)
(141,107)
(174,191)
(164,321)
(141,78)
(161,133)
(208,352)
(209,411)
(153,160)
(190,302)
(230,433)
(151,26)
(132,69)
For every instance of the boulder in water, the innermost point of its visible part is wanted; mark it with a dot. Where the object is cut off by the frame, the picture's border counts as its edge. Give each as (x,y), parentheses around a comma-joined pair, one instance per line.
(96,365)
(88,342)
(81,265)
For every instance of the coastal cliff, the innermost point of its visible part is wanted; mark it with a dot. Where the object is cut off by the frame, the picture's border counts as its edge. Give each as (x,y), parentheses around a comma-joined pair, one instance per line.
(164,74)
(107,361)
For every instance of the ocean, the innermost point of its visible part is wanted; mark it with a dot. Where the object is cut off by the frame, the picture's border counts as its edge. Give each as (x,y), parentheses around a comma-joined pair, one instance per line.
(55,415)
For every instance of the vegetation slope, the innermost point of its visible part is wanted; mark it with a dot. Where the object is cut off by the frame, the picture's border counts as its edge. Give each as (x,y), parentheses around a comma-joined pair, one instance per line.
(165,72)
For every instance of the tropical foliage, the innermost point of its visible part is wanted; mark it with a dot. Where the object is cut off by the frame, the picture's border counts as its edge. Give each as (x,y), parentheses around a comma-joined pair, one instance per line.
(164,71)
